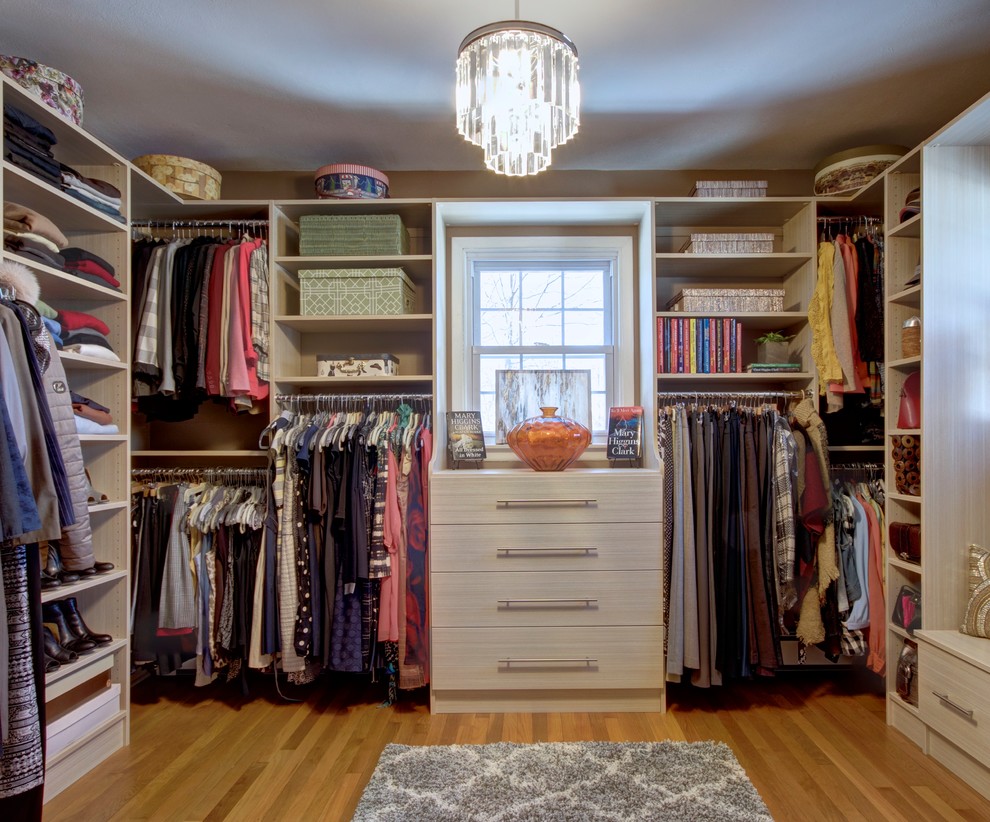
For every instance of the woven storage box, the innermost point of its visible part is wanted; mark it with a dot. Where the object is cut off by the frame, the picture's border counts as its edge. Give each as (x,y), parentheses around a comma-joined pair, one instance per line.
(752,243)
(190,179)
(728,299)
(54,88)
(339,235)
(730,188)
(367,291)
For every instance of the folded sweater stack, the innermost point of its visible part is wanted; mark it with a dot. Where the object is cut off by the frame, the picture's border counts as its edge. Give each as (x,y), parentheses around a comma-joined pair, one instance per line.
(30,234)
(92,417)
(85,334)
(28,145)
(98,194)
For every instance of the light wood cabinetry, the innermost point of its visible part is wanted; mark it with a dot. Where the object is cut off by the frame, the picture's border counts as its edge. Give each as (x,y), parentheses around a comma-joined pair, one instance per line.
(950,241)
(546,590)
(297,339)
(103,599)
(790,266)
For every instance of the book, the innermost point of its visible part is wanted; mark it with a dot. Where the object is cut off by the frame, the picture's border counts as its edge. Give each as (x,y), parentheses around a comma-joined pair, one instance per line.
(465,436)
(625,432)
(773,366)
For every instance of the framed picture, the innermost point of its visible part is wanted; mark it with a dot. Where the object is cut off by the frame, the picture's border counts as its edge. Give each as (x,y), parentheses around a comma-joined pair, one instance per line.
(520,395)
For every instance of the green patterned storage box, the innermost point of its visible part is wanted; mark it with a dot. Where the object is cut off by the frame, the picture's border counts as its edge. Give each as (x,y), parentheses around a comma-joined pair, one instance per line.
(370,291)
(343,235)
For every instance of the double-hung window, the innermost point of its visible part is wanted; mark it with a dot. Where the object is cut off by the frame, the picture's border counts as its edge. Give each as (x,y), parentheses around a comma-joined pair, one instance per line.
(540,303)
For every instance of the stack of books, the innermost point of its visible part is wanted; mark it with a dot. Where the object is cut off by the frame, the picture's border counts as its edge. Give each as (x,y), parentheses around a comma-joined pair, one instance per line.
(699,345)
(730,188)
(772,367)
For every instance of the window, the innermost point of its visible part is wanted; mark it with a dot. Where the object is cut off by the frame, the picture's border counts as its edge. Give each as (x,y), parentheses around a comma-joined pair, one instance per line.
(540,303)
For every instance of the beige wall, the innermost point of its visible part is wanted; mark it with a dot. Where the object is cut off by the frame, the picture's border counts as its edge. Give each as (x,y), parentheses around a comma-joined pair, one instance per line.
(288,185)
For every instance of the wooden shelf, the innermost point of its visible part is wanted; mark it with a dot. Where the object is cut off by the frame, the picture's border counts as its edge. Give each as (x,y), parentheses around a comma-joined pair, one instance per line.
(904,565)
(909,363)
(154,206)
(379,383)
(909,296)
(356,323)
(895,699)
(58,285)
(102,507)
(894,629)
(102,439)
(910,228)
(96,581)
(726,212)
(756,267)
(87,666)
(909,498)
(900,432)
(66,212)
(752,320)
(417,266)
(856,448)
(773,377)
(79,362)
(415,213)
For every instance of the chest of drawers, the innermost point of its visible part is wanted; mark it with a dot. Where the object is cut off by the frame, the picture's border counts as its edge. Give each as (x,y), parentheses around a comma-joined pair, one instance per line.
(546,590)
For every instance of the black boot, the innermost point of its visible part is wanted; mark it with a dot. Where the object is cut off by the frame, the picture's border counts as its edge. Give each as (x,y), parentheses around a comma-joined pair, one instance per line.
(78,627)
(52,612)
(51,664)
(55,568)
(96,568)
(56,652)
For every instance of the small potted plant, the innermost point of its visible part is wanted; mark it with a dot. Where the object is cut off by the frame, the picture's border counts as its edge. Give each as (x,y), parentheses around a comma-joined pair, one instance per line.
(772,347)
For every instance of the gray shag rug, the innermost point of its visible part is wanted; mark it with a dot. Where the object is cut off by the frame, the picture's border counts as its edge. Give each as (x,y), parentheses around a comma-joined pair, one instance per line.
(560,782)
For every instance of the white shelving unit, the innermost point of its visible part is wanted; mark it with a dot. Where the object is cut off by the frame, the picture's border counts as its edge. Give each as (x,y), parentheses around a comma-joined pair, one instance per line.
(103,600)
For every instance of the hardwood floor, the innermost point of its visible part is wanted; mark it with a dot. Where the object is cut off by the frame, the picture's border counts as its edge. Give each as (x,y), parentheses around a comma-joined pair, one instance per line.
(815,746)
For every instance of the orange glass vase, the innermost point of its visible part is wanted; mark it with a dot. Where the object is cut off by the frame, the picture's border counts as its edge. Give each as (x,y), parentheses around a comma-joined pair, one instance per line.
(548,443)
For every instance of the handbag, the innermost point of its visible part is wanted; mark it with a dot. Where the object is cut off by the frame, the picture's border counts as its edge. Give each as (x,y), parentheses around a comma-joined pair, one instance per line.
(907,609)
(907,673)
(905,540)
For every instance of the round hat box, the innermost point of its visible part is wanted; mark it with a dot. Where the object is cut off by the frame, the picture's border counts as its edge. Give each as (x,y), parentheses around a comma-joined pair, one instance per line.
(346,181)
(190,179)
(55,88)
(850,170)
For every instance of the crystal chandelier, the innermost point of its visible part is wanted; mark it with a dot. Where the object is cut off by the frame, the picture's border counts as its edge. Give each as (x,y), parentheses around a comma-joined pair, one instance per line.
(517,94)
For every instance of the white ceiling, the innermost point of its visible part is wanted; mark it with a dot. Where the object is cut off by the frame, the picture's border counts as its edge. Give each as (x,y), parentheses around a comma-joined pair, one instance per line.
(666,84)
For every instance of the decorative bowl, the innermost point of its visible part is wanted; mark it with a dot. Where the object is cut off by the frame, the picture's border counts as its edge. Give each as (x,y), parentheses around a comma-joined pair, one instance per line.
(344,181)
(548,442)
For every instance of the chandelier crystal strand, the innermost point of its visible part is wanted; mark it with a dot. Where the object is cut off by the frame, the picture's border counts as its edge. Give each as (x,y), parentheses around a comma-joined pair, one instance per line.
(517,95)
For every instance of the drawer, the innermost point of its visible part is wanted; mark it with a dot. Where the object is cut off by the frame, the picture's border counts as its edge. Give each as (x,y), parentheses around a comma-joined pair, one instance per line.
(543,598)
(595,546)
(495,497)
(963,715)
(561,658)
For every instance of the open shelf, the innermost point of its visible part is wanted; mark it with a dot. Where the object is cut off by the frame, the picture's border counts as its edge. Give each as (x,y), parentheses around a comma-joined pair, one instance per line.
(356,323)
(66,212)
(904,565)
(86,667)
(728,212)
(58,285)
(379,383)
(416,266)
(910,363)
(772,378)
(911,227)
(96,581)
(772,266)
(909,296)
(753,321)
(79,362)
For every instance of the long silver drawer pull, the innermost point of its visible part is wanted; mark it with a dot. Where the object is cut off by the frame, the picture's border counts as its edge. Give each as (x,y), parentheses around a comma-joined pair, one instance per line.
(588,601)
(531,501)
(546,549)
(585,660)
(966,712)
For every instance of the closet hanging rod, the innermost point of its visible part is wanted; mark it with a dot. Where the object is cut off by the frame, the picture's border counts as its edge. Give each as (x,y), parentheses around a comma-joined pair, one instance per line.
(852,218)
(216,223)
(281,399)
(857,466)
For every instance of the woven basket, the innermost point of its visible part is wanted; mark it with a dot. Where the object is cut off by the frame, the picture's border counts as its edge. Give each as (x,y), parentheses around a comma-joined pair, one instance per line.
(352,234)
(190,179)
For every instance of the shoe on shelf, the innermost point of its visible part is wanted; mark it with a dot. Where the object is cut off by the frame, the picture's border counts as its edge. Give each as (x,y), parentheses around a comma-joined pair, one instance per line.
(55,568)
(94,497)
(48,582)
(52,613)
(78,627)
(51,664)
(96,568)
(55,652)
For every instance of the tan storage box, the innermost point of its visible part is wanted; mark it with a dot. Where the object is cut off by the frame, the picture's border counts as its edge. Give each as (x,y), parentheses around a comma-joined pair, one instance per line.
(728,299)
(190,179)
(364,291)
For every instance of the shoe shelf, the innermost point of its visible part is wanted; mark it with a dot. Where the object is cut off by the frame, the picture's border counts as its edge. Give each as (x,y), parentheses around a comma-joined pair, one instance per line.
(73,588)
(89,665)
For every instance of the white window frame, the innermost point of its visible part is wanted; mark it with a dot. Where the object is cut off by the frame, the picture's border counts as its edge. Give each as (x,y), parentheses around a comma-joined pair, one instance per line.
(618,250)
